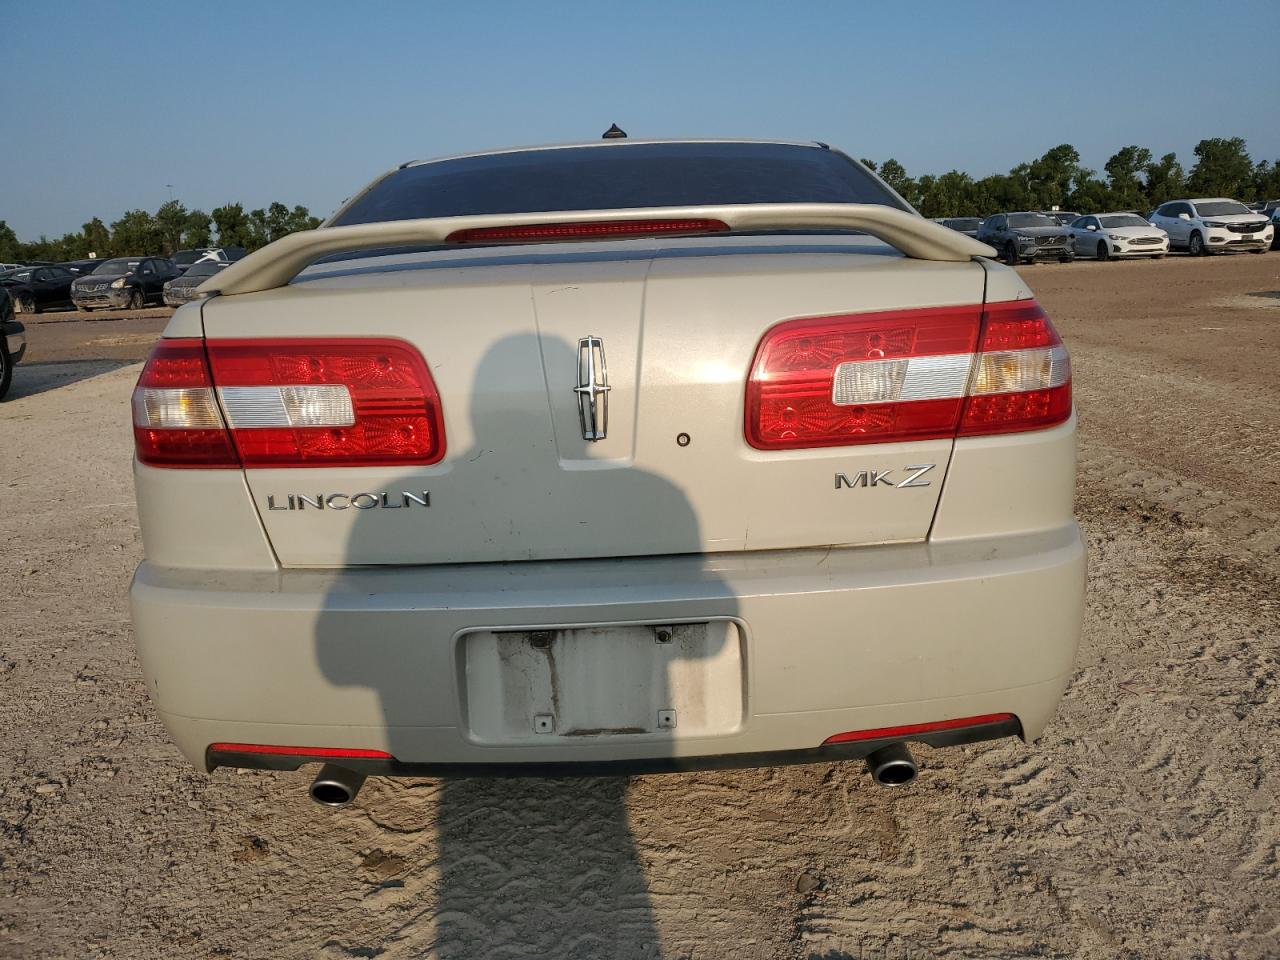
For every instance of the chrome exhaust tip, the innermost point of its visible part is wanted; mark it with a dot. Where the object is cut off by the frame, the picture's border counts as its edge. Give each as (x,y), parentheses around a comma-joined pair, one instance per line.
(335,786)
(892,766)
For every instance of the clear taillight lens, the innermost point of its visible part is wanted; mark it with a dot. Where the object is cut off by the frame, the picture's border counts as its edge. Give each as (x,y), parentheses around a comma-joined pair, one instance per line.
(1022,379)
(907,375)
(176,422)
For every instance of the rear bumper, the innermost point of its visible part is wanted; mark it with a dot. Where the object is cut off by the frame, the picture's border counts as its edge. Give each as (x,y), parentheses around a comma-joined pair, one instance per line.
(832,641)
(1123,250)
(15,337)
(827,753)
(111,299)
(1050,253)
(1229,239)
(1236,244)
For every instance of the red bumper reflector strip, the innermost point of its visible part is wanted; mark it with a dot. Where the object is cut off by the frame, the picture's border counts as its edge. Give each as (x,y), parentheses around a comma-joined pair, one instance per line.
(279,751)
(912,729)
(605,229)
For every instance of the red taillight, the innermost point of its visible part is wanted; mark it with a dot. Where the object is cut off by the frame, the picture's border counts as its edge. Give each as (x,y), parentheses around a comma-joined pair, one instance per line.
(176,422)
(287,403)
(305,403)
(833,381)
(907,375)
(607,229)
(915,729)
(1022,375)
(327,753)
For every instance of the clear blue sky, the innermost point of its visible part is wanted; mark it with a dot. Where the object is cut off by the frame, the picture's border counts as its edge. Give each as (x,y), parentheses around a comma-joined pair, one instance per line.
(304,102)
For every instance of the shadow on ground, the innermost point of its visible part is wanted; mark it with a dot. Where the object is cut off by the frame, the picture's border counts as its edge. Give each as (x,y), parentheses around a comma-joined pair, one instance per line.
(30,379)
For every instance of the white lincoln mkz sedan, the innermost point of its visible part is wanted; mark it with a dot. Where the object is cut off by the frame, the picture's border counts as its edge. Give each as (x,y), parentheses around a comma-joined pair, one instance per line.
(603,458)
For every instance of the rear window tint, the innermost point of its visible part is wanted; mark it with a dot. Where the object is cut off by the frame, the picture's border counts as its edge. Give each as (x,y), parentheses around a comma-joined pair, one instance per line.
(619,176)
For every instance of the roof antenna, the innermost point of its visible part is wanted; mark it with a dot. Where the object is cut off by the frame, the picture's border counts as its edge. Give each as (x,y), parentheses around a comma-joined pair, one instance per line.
(615,132)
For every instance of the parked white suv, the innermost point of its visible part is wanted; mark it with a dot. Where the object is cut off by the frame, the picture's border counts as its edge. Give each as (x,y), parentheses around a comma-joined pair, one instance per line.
(1208,225)
(633,456)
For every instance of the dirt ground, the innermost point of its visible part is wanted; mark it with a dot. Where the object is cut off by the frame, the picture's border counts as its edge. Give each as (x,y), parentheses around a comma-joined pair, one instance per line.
(1143,824)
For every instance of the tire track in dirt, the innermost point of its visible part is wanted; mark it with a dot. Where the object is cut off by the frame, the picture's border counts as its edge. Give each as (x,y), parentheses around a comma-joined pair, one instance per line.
(1142,825)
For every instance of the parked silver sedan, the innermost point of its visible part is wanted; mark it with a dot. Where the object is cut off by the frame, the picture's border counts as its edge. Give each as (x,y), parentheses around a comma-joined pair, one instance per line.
(1113,236)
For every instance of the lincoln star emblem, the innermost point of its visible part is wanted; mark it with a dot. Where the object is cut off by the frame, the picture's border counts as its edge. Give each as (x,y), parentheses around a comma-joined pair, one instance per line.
(592,389)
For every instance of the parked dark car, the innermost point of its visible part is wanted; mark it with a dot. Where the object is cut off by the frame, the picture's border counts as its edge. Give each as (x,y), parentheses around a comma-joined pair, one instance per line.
(1027,236)
(13,342)
(185,258)
(1063,217)
(82,268)
(131,282)
(966,225)
(180,290)
(33,289)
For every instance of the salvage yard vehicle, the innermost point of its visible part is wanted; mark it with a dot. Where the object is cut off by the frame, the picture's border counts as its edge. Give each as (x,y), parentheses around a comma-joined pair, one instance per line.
(1061,217)
(1027,236)
(33,289)
(966,225)
(617,457)
(182,289)
(131,282)
(82,267)
(1113,236)
(183,259)
(1205,226)
(13,342)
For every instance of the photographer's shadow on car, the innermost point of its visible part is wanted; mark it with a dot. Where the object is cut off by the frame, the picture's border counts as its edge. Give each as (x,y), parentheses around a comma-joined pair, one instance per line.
(517,632)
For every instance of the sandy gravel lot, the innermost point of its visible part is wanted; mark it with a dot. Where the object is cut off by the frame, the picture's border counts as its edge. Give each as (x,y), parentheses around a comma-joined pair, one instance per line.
(1144,823)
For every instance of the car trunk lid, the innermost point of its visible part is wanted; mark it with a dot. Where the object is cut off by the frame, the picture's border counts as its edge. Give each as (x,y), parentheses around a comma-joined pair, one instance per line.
(671,327)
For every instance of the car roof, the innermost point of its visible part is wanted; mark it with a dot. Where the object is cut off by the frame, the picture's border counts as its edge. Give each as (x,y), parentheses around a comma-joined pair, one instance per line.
(611,144)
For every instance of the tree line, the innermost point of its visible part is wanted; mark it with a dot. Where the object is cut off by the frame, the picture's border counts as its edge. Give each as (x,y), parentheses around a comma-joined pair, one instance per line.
(1132,180)
(172,227)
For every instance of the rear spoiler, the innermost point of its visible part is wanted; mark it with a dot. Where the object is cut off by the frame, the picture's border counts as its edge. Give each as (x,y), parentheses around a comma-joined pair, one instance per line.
(278,263)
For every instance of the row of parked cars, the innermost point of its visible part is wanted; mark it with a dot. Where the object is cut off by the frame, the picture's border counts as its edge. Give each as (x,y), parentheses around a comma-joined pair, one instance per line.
(117,283)
(1201,226)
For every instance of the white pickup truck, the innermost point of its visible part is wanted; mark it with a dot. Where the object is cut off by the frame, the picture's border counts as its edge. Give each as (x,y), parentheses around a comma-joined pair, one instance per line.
(611,457)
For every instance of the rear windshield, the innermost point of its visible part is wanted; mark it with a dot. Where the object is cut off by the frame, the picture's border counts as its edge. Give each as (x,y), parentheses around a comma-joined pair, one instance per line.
(1031,220)
(205,268)
(1124,220)
(115,268)
(619,175)
(1221,208)
(963,223)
